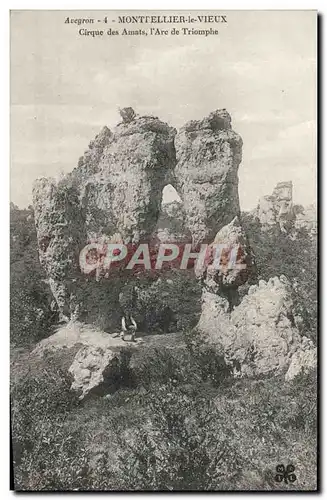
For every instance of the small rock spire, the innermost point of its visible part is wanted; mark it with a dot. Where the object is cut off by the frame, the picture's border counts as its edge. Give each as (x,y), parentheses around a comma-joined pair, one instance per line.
(127,114)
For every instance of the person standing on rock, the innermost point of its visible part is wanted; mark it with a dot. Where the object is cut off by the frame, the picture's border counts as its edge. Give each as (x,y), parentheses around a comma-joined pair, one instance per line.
(129,326)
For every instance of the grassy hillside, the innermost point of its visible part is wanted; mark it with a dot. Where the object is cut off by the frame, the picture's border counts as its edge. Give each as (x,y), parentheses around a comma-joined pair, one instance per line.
(186,427)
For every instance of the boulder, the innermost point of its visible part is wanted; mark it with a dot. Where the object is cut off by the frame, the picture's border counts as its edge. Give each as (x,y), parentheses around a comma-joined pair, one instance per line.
(115,195)
(306,218)
(98,359)
(99,362)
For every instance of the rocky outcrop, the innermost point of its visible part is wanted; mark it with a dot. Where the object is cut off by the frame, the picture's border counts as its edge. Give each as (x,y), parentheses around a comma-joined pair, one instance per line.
(116,192)
(171,303)
(98,358)
(235,256)
(265,324)
(208,154)
(115,195)
(259,336)
(88,164)
(228,265)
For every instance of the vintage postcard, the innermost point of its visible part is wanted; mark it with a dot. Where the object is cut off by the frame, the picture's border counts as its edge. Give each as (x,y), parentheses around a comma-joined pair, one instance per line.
(164,250)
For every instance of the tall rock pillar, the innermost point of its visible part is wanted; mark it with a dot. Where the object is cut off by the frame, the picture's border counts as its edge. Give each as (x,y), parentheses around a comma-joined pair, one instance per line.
(208,154)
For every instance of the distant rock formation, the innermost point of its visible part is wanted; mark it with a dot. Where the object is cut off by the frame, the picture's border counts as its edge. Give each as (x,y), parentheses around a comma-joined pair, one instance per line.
(306,218)
(277,208)
(127,114)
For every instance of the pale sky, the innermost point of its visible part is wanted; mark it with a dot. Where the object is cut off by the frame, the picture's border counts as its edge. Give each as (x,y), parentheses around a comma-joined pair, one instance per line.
(261,68)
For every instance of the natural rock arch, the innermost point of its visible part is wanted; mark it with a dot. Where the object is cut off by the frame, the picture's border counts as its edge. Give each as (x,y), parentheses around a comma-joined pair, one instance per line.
(117,189)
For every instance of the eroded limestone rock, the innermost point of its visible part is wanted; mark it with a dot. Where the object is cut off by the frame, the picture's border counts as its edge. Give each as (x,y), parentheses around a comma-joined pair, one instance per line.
(303,360)
(259,336)
(60,234)
(135,164)
(306,218)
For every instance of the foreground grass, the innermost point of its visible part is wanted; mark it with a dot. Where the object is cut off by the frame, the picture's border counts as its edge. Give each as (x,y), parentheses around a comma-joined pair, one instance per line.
(186,431)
